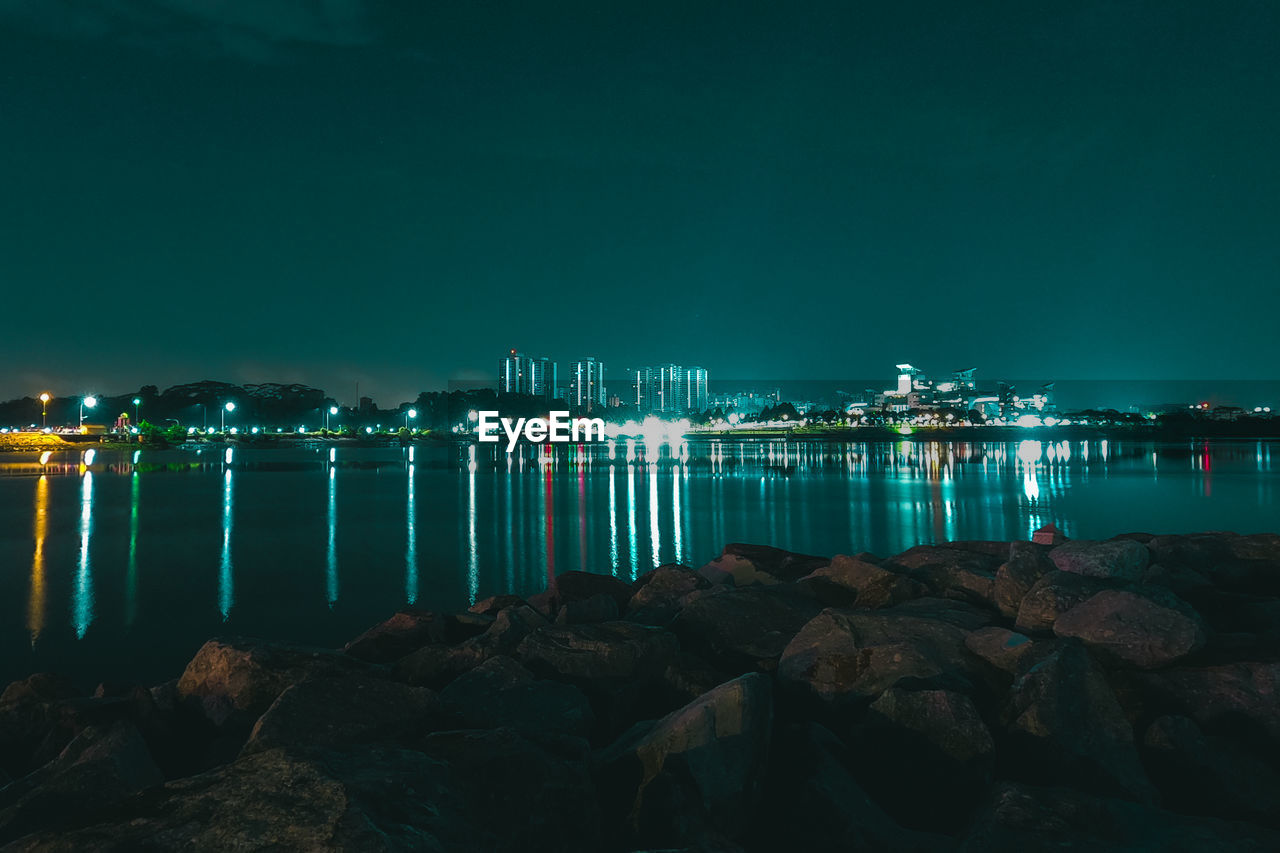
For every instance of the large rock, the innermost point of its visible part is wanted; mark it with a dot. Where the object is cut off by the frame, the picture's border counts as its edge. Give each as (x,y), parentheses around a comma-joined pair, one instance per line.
(661,593)
(873,585)
(1003,649)
(436,665)
(1065,726)
(1026,565)
(816,803)
(1053,595)
(1238,699)
(1146,627)
(1049,820)
(746,565)
(699,767)
(502,693)
(744,630)
(31,730)
(409,630)
(230,682)
(96,771)
(1249,564)
(600,607)
(580,586)
(854,656)
(1209,775)
(1115,559)
(956,570)
(611,650)
(337,710)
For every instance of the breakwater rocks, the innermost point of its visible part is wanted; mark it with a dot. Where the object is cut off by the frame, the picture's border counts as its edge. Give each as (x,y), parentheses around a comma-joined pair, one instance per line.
(1025,696)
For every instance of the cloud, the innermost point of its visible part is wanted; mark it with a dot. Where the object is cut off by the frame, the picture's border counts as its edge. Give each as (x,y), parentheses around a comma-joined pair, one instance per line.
(259,30)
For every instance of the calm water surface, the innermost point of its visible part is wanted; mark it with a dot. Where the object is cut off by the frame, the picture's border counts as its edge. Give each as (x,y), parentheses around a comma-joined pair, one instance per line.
(120,564)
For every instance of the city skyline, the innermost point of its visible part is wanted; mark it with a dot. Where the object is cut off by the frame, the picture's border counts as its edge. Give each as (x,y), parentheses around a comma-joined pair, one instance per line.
(318,192)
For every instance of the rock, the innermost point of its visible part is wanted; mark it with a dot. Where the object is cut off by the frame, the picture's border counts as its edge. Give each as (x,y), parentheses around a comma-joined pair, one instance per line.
(1048,535)
(340,710)
(96,771)
(1209,775)
(700,766)
(232,682)
(611,650)
(1044,820)
(1248,564)
(580,586)
(925,746)
(1065,725)
(598,608)
(1053,595)
(1115,559)
(502,693)
(494,603)
(953,572)
(687,677)
(544,603)
(436,666)
(31,732)
(1000,647)
(815,803)
(1238,699)
(661,593)
(743,630)
(1025,566)
(854,656)
(873,585)
(404,632)
(747,565)
(1148,627)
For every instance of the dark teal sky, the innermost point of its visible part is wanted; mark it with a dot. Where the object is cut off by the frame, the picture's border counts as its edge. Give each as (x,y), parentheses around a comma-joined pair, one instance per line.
(328,191)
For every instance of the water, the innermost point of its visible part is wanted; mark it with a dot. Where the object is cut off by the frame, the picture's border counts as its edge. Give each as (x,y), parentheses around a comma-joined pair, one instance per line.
(119,564)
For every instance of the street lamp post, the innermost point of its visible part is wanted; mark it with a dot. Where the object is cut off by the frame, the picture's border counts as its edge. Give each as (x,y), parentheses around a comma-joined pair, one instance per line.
(137,401)
(229,407)
(89,401)
(412,413)
(44,410)
(333,410)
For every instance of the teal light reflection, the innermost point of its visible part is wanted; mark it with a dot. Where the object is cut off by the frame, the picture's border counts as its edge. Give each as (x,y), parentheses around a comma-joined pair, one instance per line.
(411,544)
(655,532)
(631,518)
(331,573)
(613,516)
(83,602)
(131,574)
(473,551)
(226,581)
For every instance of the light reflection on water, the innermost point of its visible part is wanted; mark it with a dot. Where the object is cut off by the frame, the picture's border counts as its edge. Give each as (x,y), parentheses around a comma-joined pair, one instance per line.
(100,531)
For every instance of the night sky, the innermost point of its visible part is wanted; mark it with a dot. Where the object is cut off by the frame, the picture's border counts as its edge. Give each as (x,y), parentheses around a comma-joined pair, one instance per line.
(336,190)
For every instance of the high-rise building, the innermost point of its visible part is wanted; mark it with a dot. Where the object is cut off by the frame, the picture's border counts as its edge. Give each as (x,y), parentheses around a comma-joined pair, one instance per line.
(667,380)
(643,392)
(522,374)
(694,396)
(586,389)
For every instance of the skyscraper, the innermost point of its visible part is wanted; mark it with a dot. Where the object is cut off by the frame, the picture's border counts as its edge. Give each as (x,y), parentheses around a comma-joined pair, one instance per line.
(694,396)
(586,389)
(667,381)
(522,374)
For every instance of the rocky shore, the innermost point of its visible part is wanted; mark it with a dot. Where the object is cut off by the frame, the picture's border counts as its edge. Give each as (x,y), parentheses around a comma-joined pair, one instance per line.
(1043,695)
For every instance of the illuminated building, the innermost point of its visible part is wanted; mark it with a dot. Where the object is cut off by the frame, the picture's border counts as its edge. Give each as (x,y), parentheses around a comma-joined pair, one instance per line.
(522,374)
(586,388)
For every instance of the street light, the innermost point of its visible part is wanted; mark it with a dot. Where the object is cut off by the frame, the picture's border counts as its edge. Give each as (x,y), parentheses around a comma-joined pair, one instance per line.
(229,407)
(333,410)
(412,413)
(44,410)
(136,403)
(89,401)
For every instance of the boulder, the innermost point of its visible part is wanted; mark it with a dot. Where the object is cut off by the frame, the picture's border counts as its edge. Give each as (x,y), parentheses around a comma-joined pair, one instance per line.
(598,608)
(1046,820)
(435,666)
(1003,649)
(338,710)
(96,771)
(700,766)
(661,593)
(954,571)
(816,803)
(873,585)
(1025,566)
(404,632)
(580,586)
(1248,564)
(501,693)
(1053,595)
(31,733)
(746,565)
(1065,725)
(231,682)
(743,630)
(1238,699)
(854,656)
(947,720)
(1209,775)
(688,676)
(491,605)
(611,650)
(1115,559)
(1146,627)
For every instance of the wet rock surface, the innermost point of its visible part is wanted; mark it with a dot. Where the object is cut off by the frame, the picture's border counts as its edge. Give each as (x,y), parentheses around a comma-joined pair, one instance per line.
(1045,695)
